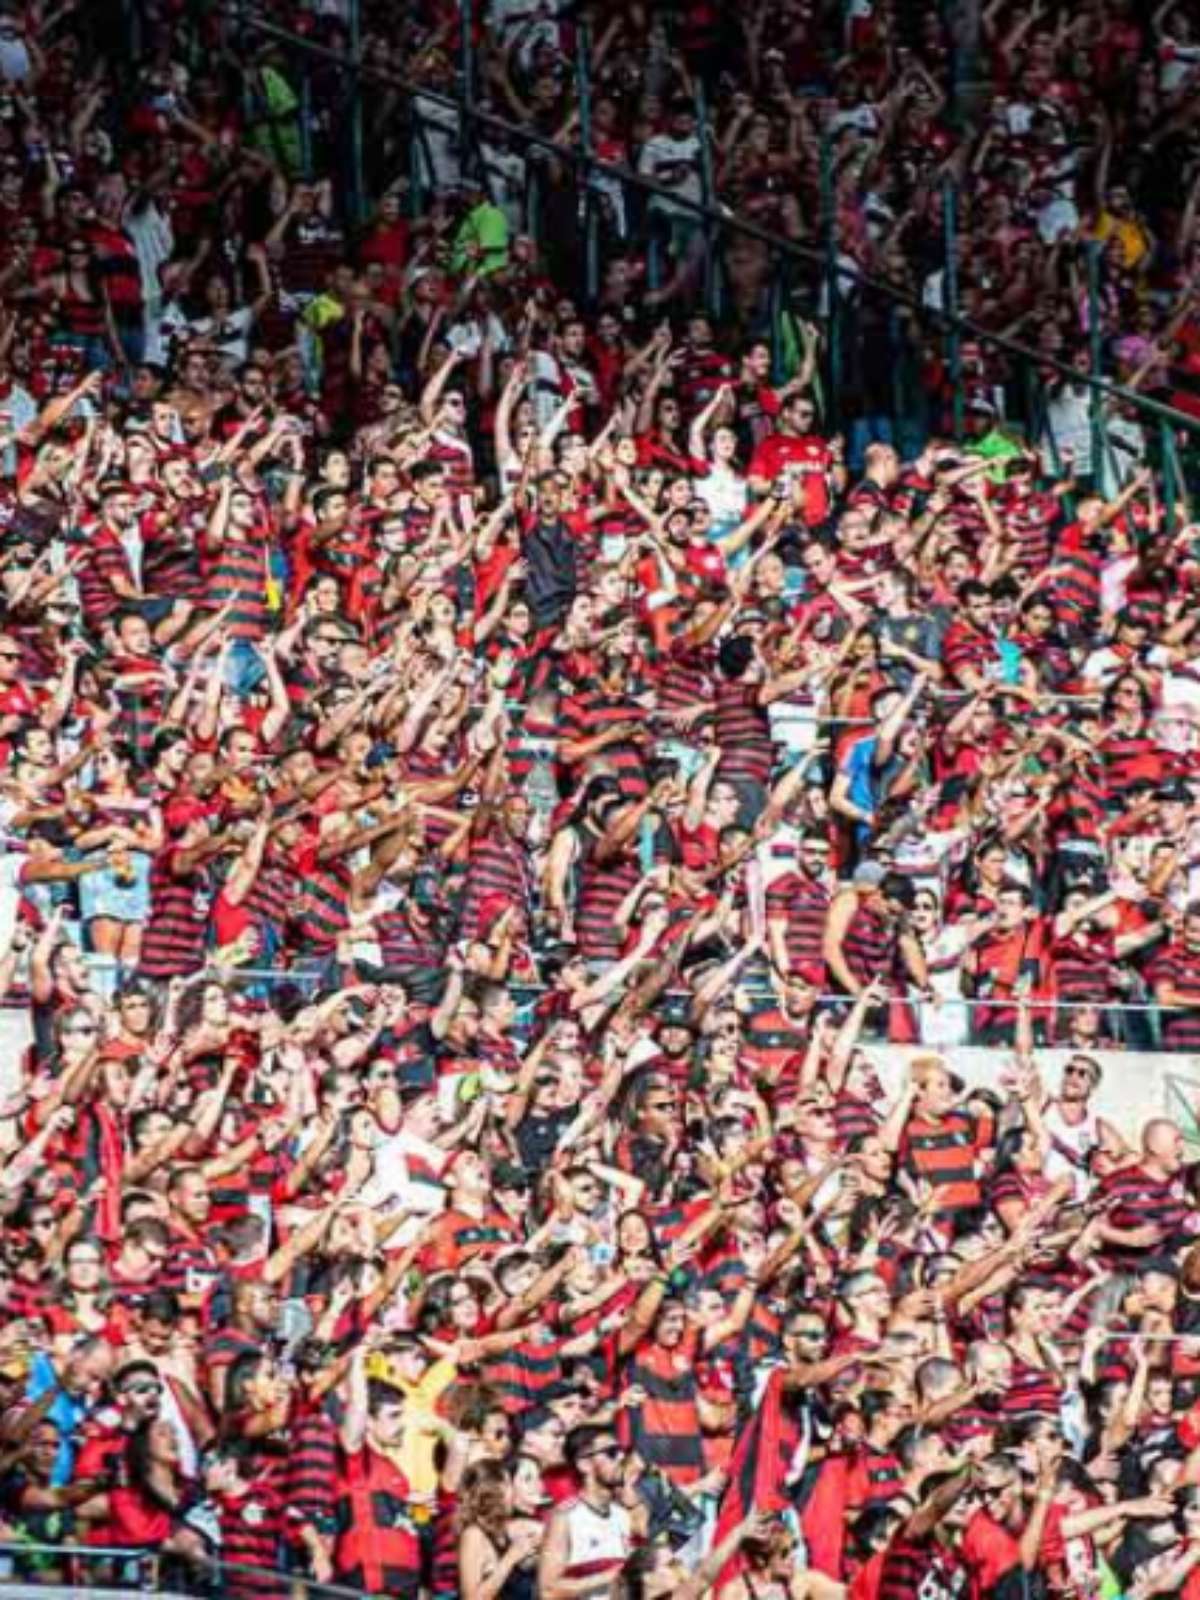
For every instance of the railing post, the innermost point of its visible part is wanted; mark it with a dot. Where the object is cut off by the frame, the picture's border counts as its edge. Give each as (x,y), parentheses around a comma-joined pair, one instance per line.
(357,187)
(1171,476)
(775,302)
(833,312)
(1095,360)
(950,298)
(591,239)
(306,118)
(708,192)
(466,55)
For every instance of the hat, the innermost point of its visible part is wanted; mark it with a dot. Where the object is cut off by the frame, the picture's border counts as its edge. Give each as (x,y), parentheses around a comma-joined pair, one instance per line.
(675,1013)
(508,1175)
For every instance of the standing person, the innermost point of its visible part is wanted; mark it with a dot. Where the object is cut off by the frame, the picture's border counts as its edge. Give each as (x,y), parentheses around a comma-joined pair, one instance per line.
(589,1539)
(1002,1542)
(492,1553)
(1072,1124)
(798,460)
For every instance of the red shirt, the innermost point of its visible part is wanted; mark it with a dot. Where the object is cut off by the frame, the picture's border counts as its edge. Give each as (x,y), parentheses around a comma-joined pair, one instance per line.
(989,1551)
(813,460)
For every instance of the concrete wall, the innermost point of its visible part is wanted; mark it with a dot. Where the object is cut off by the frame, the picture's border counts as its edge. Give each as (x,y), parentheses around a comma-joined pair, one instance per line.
(1135,1086)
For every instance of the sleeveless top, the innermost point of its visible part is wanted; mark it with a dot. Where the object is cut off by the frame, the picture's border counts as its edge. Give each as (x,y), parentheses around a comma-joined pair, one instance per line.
(597,1543)
(1070,1146)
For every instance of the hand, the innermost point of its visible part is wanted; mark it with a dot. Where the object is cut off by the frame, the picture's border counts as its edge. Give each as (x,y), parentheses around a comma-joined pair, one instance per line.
(1157,1507)
(526,1540)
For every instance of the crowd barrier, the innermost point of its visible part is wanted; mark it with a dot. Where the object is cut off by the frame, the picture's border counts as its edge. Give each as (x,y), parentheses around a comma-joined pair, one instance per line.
(69,1569)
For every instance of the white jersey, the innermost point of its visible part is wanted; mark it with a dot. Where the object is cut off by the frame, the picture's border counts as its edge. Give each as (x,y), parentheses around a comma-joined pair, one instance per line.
(598,1543)
(1071,1144)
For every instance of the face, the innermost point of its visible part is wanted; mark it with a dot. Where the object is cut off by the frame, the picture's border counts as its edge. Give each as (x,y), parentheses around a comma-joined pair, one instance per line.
(215,1009)
(527,1491)
(79,1034)
(464,1307)
(1010,910)
(1078,1080)
(139,1397)
(191,1198)
(633,1234)
(672,1326)
(937,1092)
(607,1461)
(85,1267)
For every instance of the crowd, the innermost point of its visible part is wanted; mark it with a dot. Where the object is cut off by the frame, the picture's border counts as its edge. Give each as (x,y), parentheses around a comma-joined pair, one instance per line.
(509,820)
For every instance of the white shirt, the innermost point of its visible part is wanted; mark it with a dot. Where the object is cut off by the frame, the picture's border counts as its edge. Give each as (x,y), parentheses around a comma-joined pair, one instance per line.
(231,335)
(597,1541)
(725,493)
(1070,1145)
(14,57)
(663,151)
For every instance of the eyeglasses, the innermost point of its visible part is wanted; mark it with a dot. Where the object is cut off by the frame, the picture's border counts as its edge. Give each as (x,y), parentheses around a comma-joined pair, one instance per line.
(149,1386)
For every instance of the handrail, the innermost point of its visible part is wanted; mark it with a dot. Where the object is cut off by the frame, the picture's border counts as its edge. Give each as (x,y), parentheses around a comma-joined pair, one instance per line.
(258,1580)
(718,215)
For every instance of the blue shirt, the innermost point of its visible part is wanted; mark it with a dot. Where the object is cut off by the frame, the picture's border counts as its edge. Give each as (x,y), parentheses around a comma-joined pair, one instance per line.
(67,1413)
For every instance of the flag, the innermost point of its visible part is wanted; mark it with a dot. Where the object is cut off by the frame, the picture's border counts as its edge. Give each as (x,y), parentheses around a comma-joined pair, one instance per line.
(758,1469)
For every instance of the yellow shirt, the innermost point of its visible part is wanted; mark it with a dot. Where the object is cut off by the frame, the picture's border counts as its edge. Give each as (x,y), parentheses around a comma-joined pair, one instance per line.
(1135,242)
(418,1444)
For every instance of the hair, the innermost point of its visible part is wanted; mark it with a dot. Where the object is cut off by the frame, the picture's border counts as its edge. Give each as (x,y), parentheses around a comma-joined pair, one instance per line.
(873,1403)
(242,1371)
(147,1230)
(735,656)
(581,1441)
(161,1304)
(139,1465)
(1145,699)
(482,1500)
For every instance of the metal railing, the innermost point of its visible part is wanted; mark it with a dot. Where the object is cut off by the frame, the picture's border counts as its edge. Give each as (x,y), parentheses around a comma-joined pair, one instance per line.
(1133,1021)
(816,278)
(96,1569)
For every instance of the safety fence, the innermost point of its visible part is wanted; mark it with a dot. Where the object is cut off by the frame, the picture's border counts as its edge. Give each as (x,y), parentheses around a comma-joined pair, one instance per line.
(1127,1017)
(101,1570)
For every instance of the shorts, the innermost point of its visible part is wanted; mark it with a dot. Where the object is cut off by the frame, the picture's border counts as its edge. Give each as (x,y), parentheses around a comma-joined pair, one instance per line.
(123,898)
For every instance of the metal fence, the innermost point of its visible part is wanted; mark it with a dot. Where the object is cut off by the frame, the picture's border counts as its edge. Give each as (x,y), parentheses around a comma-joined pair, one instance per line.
(94,1570)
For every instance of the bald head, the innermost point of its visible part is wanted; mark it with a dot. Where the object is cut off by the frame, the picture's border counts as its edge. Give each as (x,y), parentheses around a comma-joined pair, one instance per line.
(1162,1144)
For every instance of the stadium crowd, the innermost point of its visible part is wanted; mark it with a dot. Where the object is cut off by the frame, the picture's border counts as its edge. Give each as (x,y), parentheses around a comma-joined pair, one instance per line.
(510,820)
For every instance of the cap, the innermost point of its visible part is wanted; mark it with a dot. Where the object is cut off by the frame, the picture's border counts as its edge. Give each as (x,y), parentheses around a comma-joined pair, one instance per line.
(869,875)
